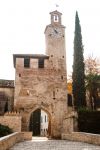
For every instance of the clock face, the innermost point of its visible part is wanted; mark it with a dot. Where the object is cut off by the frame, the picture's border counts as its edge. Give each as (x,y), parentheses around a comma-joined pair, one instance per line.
(56,32)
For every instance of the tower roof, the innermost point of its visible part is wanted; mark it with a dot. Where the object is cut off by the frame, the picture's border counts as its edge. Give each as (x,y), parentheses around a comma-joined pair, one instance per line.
(55,12)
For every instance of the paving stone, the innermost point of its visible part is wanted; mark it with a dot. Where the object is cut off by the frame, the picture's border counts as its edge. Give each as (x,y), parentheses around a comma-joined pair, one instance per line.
(45,144)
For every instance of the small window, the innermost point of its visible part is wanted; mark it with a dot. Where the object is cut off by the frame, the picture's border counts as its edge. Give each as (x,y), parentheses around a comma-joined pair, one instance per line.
(62,77)
(19,75)
(26,62)
(53,94)
(41,63)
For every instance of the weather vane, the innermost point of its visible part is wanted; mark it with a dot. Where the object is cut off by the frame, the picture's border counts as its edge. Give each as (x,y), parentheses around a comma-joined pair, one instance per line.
(56,5)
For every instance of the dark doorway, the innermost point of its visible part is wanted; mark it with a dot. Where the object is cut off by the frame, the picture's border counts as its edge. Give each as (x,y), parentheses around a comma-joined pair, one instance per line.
(35,122)
(40,123)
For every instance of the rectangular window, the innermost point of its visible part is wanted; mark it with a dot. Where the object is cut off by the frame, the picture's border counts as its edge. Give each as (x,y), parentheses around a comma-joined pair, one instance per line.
(53,94)
(41,63)
(26,62)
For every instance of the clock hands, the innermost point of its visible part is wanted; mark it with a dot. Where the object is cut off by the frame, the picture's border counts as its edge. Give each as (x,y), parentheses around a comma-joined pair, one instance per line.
(56,32)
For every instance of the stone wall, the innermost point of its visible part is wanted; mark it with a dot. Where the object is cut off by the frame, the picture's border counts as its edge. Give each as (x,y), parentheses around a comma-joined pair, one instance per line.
(82,137)
(14,122)
(8,141)
(26,135)
(7,97)
(70,122)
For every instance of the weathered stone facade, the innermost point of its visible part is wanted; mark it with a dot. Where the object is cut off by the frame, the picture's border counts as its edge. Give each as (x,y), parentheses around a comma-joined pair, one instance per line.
(6,95)
(40,82)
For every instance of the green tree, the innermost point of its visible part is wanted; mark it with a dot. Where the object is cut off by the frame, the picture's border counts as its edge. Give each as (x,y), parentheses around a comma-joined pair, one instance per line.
(78,75)
(5,130)
(92,87)
(92,71)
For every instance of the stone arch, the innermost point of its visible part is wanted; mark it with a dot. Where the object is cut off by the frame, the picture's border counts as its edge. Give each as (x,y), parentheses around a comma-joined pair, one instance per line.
(47,112)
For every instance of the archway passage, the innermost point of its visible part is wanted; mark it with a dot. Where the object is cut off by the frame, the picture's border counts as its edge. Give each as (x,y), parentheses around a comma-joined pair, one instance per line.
(39,123)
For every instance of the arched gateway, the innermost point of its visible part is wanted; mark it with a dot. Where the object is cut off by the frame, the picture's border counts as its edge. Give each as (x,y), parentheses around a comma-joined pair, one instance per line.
(40,122)
(41,80)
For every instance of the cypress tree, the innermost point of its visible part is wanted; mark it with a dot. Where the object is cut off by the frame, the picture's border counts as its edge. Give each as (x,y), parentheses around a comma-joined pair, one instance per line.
(78,74)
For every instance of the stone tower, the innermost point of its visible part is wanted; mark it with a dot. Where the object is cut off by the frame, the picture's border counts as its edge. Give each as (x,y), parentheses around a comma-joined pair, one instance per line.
(55,41)
(41,80)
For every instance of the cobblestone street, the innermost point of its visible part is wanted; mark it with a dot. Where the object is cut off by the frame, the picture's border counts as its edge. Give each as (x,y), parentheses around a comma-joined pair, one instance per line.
(45,144)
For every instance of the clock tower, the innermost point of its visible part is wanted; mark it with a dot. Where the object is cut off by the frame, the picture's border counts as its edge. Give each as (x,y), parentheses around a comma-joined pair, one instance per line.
(55,41)
(41,84)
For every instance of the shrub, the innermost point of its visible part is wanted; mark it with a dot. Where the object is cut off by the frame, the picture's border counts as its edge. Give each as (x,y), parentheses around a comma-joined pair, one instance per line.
(89,121)
(4,130)
(84,109)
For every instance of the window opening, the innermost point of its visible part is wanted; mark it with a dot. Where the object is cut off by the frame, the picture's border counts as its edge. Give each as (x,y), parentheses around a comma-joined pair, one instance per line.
(41,63)
(26,62)
(62,77)
(19,75)
(53,94)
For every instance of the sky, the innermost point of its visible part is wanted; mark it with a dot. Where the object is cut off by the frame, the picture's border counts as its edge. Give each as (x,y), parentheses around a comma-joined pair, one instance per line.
(22,25)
